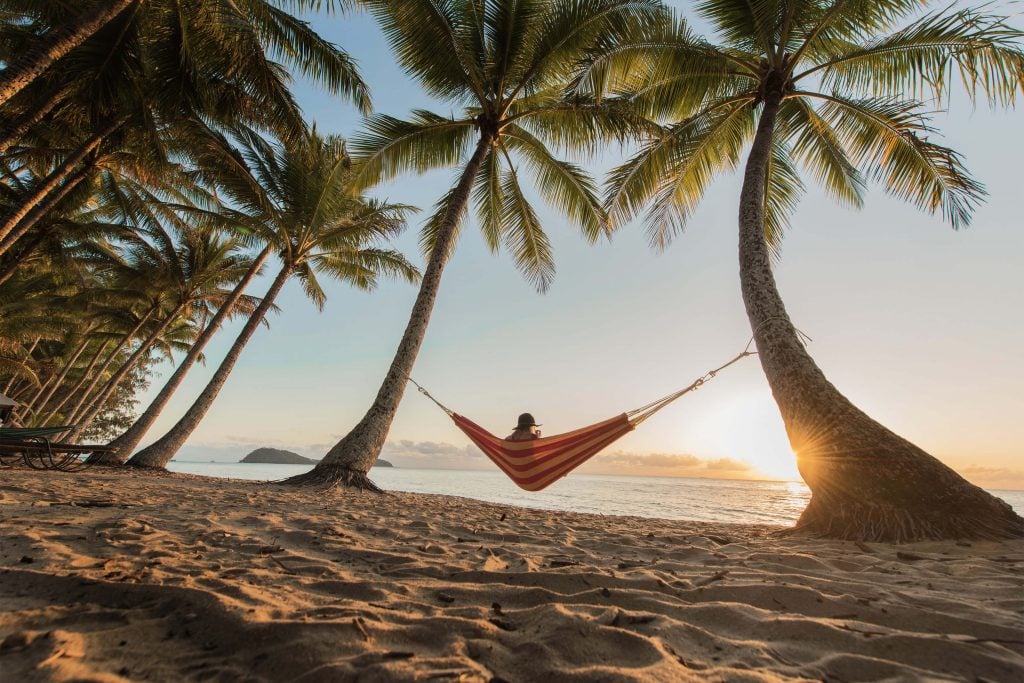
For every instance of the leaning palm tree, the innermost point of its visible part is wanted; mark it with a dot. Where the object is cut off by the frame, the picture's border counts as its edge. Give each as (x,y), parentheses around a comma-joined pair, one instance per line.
(316,226)
(208,263)
(506,64)
(196,268)
(235,303)
(833,86)
(65,26)
(156,66)
(48,31)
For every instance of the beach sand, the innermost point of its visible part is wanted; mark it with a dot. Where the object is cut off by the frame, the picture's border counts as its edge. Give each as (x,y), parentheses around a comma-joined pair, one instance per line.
(110,576)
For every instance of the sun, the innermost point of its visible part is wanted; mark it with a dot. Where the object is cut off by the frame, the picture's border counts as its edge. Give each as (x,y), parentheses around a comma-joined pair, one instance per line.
(747,426)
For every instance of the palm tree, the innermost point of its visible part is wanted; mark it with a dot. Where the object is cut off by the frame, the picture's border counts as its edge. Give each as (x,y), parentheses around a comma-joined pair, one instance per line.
(833,86)
(316,225)
(506,64)
(59,40)
(233,304)
(190,272)
(51,30)
(153,68)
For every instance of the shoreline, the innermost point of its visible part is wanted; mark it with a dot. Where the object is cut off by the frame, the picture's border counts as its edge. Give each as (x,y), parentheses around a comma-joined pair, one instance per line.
(114,576)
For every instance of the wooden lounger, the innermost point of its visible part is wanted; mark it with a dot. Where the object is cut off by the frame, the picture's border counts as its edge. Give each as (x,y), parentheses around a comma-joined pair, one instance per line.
(32,447)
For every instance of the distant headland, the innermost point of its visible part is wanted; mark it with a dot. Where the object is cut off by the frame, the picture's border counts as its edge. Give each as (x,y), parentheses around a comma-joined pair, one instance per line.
(277,456)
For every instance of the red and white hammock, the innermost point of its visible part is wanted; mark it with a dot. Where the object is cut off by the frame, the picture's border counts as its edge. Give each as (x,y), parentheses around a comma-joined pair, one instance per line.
(535,464)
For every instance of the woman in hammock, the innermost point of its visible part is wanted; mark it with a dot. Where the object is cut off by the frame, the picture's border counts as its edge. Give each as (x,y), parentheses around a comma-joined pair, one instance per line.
(526,430)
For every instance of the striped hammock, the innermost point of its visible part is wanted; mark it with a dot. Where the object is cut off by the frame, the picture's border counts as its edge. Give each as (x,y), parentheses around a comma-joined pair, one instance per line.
(534,465)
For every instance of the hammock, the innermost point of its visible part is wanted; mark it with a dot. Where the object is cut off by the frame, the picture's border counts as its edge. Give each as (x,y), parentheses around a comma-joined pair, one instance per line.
(534,465)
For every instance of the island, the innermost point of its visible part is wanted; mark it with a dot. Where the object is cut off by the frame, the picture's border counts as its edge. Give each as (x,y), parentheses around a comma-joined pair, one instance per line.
(278,456)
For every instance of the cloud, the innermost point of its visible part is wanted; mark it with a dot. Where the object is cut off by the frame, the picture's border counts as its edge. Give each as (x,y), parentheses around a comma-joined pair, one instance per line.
(252,441)
(443,455)
(433,454)
(202,452)
(993,477)
(667,465)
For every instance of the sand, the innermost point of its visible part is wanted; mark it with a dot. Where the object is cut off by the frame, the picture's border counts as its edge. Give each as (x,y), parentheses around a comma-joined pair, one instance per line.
(112,576)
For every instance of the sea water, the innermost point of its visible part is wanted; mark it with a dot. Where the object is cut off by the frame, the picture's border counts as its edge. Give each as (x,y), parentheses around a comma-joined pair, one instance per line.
(706,500)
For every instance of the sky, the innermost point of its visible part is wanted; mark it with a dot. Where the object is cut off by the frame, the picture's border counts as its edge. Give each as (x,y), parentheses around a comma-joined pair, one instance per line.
(918,324)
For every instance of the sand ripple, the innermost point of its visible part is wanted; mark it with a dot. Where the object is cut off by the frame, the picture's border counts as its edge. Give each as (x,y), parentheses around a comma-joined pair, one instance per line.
(130,576)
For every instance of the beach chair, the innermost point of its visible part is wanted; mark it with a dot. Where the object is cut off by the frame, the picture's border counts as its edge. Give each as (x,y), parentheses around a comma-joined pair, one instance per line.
(32,445)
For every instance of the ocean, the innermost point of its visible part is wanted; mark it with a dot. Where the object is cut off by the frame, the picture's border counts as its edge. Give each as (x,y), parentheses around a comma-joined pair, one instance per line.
(706,500)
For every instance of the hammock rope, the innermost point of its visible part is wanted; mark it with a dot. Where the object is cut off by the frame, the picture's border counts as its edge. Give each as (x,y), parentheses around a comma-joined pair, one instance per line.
(536,463)
(640,414)
(427,394)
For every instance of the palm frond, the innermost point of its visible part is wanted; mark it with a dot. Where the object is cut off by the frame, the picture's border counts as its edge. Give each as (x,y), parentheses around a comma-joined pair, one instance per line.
(817,147)
(889,139)
(388,146)
(673,171)
(562,184)
(581,124)
(432,226)
(488,200)
(923,59)
(429,38)
(312,55)
(524,236)
(783,189)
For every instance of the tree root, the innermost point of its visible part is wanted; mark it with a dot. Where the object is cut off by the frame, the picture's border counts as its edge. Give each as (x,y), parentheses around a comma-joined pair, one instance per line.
(328,477)
(106,459)
(858,520)
(143,466)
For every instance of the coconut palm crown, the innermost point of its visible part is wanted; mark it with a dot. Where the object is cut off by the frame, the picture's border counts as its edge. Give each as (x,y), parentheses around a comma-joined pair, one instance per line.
(303,209)
(505,65)
(851,91)
(839,89)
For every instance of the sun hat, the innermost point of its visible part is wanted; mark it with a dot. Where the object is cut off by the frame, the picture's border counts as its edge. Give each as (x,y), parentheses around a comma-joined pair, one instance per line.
(526,420)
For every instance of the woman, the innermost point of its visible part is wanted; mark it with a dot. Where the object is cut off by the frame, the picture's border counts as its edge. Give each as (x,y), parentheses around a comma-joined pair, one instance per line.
(525,430)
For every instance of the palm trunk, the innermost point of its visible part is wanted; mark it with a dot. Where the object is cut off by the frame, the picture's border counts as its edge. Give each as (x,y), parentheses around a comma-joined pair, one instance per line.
(159,453)
(22,126)
(33,217)
(52,47)
(351,458)
(14,386)
(86,374)
(867,483)
(28,407)
(31,350)
(61,377)
(12,261)
(80,405)
(127,442)
(97,405)
(55,178)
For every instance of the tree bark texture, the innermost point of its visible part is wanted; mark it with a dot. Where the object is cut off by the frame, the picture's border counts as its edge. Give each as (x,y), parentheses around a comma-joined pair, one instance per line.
(127,442)
(54,45)
(48,184)
(867,483)
(351,458)
(98,403)
(159,453)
